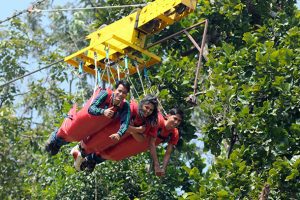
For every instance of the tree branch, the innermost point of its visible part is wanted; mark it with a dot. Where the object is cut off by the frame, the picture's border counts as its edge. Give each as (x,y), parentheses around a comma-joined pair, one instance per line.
(232,142)
(264,195)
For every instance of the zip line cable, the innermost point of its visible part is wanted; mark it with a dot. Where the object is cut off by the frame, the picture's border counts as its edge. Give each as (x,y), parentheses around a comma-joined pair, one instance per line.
(89,8)
(15,15)
(47,66)
(20,12)
(32,9)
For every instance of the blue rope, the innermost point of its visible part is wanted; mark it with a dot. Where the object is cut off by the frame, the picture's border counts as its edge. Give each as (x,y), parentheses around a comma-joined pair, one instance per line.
(107,64)
(107,53)
(80,70)
(126,62)
(99,75)
(147,77)
(126,65)
(146,73)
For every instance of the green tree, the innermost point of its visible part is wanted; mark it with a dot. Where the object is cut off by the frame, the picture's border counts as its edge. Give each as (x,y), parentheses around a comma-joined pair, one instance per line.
(251,100)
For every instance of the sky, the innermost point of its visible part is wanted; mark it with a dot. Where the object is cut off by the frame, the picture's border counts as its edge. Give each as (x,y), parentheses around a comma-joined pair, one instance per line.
(8,8)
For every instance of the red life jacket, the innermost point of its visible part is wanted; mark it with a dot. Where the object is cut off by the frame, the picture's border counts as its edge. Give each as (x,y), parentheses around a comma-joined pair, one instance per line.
(82,124)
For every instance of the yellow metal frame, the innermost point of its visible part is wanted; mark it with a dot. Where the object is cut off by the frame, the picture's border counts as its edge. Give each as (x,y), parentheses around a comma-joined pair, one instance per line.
(127,36)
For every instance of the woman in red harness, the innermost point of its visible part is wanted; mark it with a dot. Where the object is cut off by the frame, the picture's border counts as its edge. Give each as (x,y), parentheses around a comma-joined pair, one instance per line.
(143,119)
(105,108)
(137,143)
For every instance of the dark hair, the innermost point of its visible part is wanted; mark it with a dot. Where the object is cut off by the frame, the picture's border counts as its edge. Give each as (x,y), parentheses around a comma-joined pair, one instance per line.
(125,83)
(152,119)
(176,111)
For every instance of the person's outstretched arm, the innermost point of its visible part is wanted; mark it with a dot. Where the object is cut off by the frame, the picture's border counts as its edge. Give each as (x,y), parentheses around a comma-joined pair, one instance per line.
(94,108)
(137,132)
(136,129)
(158,171)
(125,119)
(167,157)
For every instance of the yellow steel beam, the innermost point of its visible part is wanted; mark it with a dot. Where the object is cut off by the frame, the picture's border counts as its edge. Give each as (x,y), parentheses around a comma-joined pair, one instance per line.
(158,7)
(99,52)
(85,68)
(133,57)
(138,48)
(151,62)
(115,48)
(74,55)
(166,19)
(82,51)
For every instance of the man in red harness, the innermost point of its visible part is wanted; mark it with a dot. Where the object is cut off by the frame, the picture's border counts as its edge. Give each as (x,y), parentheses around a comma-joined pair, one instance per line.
(130,146)
(103,110)
(169,133)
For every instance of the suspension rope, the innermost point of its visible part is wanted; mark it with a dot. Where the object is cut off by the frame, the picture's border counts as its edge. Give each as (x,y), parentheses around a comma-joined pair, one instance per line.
(118,71)
(140,77)
(107,64)
(128,79)
(103,72)
(35,71)
(99,76)
(96,71)
(112,75)
(126,64)
(96,77)
(149,85)
(79,75)
(80,71)
(147,77)
(127,74)
(133,87)
(89,8)
(160,104)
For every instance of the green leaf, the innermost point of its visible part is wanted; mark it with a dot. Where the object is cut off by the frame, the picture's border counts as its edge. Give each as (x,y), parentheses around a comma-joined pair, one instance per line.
(227,49)
(293,175)
(222,193)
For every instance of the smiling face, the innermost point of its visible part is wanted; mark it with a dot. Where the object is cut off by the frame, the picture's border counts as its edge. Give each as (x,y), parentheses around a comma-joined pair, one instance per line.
(120,93)
(173,121)
(147,109)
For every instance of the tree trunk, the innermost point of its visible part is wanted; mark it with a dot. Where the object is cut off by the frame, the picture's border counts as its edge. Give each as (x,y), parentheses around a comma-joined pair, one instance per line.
(265,192)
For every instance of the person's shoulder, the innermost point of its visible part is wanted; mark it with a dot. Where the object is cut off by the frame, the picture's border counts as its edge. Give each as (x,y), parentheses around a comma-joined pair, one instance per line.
(108,90)
(126,103)
(160,116)
(101,91)
(161,119)
(133,103)
(176,131)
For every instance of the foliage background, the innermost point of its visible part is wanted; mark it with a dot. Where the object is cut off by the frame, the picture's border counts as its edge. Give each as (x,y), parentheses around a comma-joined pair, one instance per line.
(247,113)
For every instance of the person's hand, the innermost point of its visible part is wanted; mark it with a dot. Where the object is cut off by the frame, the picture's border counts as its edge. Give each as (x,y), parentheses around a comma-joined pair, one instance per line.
(115,137)
(109,112)
(141,129)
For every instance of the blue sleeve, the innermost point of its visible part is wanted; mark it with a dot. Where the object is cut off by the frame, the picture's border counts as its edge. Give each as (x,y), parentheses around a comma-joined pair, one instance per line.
(125,119)
(94,108)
